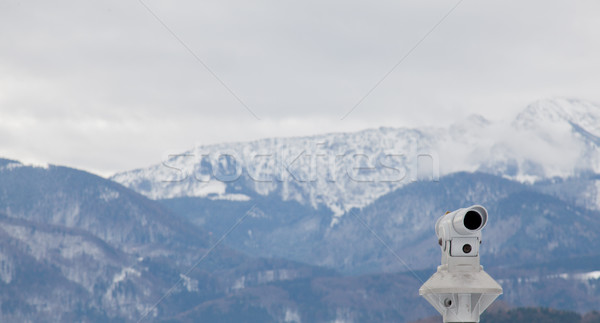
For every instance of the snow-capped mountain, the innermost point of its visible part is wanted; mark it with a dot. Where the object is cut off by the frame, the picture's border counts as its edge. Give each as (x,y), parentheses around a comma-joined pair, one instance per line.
(548,139)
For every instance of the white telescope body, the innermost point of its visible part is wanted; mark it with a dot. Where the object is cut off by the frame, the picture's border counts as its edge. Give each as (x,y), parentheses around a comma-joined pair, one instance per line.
(465,221)
(460,289)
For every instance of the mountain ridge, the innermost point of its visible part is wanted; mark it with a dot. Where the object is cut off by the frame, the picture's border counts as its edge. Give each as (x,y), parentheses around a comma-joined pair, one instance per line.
(350,170)
(71,249)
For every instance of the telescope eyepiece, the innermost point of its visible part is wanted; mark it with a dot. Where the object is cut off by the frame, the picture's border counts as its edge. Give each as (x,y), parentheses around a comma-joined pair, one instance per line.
(473,220)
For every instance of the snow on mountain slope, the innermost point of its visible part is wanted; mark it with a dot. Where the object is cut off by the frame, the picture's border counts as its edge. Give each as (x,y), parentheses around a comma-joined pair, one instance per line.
(582,113)
(341,170)
(549,138)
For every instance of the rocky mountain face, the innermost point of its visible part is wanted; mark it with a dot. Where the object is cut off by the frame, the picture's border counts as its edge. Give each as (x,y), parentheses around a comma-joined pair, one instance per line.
(549,139)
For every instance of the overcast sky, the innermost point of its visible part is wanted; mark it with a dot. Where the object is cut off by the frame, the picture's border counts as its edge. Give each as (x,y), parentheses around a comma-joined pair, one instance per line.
(104,86)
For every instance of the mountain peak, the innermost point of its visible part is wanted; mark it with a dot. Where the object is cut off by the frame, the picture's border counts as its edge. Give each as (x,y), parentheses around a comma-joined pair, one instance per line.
(583,113)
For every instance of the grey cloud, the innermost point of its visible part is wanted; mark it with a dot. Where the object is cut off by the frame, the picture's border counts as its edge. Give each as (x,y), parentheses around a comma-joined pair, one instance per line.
(70,67)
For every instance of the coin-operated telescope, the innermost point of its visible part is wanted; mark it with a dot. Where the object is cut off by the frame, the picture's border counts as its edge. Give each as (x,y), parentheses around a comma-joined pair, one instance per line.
(460,290)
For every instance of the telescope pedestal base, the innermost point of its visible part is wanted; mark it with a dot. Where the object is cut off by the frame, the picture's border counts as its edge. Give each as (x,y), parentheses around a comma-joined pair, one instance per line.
(460,296)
